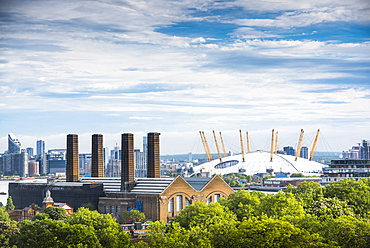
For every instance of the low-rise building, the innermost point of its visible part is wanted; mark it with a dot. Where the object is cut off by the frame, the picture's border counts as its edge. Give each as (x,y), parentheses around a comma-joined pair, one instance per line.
(346,168)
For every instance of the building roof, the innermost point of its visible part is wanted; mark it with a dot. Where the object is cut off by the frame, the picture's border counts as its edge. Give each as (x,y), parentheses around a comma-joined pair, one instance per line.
(197,183)
(259,162)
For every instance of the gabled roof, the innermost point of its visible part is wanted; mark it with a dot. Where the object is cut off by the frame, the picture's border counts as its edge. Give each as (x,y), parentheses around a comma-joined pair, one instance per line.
(151,185)
(197,183)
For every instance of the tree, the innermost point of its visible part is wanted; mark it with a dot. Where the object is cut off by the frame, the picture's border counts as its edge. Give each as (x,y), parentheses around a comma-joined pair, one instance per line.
(280,205)
(132,216)
(243,203)
(274,233)
(306,192)
(327,208)
(9,204)
(40,216)
(55,213)
(7,230)
(105,227)
(4,216)
(297,175)
(52,233)
(200,214)
(173,235)
(347,231)
(356,193)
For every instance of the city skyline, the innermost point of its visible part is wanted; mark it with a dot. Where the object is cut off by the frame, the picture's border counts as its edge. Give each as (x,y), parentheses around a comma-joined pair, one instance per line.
(112,67)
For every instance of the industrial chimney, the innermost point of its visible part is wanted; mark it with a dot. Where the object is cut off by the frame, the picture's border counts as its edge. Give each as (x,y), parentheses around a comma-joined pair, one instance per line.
(127,161)
(154,170)
(73,172)
(97,154)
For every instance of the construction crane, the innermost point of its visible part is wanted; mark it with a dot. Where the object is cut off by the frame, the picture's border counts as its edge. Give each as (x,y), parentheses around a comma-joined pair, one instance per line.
(272,145)
(248,143)
(241,144)
(223,145)
(205,145)
(299,145)
(218,149)
(314,145)
(276,142)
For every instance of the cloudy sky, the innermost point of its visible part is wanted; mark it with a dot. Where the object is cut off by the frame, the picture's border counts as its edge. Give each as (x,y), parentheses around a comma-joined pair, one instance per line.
(177,67)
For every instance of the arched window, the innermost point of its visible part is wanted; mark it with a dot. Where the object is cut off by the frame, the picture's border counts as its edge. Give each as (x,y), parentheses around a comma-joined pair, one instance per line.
(217,197)
(179,205)
(170,206)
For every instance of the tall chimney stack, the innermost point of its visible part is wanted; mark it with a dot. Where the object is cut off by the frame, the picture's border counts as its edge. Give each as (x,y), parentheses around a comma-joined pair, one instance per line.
(73,172)
(127,161)
(97,154)
(154,170)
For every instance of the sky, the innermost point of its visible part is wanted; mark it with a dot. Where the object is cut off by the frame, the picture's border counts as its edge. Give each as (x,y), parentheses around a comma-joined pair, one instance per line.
(180,67)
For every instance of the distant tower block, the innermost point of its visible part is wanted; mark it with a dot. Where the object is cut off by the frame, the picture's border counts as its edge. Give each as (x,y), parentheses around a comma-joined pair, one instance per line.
(97,160)
(128,161)
(154,170)
(73,173)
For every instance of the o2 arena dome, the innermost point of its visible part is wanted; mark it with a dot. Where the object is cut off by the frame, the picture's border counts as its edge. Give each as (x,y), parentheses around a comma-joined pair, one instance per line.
(260,162)
(251,163)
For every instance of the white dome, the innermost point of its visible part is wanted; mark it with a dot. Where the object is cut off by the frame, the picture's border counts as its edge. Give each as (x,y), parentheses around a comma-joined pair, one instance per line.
(259,162)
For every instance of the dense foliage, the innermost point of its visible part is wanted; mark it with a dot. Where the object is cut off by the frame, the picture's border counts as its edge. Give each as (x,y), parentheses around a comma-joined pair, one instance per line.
(309,215)
(337,215)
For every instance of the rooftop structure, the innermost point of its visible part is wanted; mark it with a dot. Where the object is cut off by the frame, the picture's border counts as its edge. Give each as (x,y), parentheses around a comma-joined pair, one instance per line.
(259,162)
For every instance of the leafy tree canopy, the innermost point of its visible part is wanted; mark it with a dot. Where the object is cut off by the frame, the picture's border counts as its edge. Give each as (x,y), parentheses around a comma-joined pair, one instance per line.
(132,216)
(55,213)
(9,204)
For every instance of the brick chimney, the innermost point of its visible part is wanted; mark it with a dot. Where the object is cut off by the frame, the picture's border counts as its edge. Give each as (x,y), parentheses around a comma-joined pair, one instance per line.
(73,171)
(97,154)
(154,170)
(127,161)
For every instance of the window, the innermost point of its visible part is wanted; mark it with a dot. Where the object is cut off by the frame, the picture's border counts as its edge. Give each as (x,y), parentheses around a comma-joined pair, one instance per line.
(209,200)
(112,209)
(179,203)
(187,202)
(170,206)
(217,197)
(118,209)
(106,209)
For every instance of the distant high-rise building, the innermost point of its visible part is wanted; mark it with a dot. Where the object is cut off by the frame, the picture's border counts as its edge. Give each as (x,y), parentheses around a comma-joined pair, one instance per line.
(304,152)
(29,151)
(114,163)
(14,145)
(73,173)
(141,159)
(154,160)
(97,150)
(289,150)
(84,160)
(55,161)
(40,147)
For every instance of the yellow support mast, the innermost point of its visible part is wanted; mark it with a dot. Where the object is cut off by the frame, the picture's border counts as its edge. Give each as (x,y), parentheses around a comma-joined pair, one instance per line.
(297,154)
(223,145)
(205,145)
(248,143)
(272,146)
(276,142)
(314,145)
(218,149)
(241,145)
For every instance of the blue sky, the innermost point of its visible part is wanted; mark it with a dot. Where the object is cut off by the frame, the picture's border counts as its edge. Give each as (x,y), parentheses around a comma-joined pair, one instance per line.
(177,67)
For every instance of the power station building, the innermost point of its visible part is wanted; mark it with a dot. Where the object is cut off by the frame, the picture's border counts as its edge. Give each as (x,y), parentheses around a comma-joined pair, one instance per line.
(159,198)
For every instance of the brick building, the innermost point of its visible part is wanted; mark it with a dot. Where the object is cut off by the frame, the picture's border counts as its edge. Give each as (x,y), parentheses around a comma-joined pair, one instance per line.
(163,198)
